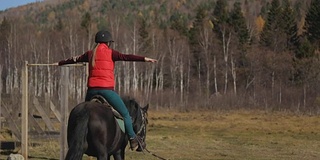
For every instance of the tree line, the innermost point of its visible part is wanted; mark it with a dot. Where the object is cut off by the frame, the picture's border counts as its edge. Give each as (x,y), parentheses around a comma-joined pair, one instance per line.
(211,54)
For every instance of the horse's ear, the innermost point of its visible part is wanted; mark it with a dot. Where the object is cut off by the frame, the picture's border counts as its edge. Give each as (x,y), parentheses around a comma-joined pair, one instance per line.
(145,109)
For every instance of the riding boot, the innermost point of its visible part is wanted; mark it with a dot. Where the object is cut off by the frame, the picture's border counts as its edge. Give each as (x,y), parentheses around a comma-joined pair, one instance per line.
(137,142)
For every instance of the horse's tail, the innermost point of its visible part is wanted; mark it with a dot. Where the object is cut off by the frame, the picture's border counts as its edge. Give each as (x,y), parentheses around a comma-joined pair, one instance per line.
(77,132)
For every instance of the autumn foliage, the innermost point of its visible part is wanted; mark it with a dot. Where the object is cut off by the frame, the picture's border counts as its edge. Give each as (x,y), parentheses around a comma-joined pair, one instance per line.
(211,54)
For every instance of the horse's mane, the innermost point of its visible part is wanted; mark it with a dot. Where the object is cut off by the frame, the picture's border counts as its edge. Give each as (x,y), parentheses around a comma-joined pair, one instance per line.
(130,102)
(127,98)
(133,106)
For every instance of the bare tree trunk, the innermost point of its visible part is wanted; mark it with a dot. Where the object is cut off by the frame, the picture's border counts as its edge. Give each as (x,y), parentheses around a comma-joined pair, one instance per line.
(215,74)
(119,85)
(188,82)
(272,84)
(15,58)
(173,68)
(151,82)
(181,84)
(280,93)
(74,75)
(157,77)
(304,96)
(225,43)
(34,70)
(234,75)
(199,80)
(135,70)
(0,96)
(49,78)
(148,82)
(123,70)
(205,43)
(127,75)
(159,82)
(8,64)
(89,36)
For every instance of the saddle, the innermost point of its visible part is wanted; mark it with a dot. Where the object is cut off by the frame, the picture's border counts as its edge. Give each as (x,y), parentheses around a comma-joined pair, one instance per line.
(116,114)
(102,100)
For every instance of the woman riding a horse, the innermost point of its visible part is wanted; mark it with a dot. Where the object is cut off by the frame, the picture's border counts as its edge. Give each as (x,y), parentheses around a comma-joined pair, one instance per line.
(101,80)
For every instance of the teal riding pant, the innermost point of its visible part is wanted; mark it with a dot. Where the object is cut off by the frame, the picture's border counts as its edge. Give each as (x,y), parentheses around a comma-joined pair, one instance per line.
(116,102)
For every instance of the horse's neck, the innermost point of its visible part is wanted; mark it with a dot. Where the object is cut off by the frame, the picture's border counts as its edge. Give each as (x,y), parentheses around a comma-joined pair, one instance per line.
(135,113)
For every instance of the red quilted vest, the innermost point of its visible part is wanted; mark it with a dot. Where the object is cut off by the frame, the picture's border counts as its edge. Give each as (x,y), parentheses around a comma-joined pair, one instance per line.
(102,73)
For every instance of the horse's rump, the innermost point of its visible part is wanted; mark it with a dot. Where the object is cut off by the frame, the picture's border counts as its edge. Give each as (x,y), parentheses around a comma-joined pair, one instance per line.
(103,130)
(93,126)
(93,130)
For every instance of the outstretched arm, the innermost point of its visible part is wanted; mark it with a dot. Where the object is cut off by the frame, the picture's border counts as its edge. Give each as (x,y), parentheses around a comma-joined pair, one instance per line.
(75,59)
(117,56)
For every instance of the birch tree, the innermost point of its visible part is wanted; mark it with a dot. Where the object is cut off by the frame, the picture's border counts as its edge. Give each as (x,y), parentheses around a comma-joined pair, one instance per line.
(240,42)
(205,41)
(221,28)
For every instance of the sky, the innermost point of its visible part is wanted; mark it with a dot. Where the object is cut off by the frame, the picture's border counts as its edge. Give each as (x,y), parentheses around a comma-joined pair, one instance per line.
(5,4)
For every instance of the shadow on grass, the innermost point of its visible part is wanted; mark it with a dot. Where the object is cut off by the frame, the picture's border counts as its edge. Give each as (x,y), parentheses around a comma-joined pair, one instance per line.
(31,157)
(8,152)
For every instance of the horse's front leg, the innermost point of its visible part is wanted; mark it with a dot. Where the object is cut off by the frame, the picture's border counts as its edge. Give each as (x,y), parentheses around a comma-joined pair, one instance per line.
(104,157)
(118,155)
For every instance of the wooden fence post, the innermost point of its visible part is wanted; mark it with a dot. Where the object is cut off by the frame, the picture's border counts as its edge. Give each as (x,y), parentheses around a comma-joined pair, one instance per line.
(0,98)
(24,112)
(64,92)
(64,111)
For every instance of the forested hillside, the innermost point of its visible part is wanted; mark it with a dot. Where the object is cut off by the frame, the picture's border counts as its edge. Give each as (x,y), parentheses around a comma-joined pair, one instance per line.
(212,54)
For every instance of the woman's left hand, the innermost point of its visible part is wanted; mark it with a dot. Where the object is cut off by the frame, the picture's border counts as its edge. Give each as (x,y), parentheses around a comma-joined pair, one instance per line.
(146,59)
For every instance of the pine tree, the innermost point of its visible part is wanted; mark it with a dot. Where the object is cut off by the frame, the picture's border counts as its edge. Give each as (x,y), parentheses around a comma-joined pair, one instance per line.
(5,57)
(196,27)
(271,30)
(179,23)
(220,16)
(86,21)
(303,61)
(264,10)
(194,37)
(4,35)
(305,50)
(59,26)
(238,22)
(289,25)
(144,40)
(312,22)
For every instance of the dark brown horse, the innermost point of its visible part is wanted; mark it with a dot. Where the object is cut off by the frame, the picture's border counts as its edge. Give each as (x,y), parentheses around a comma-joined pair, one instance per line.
(93,130)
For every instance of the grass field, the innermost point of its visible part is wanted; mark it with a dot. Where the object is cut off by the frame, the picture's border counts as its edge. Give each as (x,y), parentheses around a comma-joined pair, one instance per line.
(209,135)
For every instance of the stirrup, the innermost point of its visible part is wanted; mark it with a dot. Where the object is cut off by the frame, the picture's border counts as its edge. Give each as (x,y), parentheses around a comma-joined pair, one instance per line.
(140,147)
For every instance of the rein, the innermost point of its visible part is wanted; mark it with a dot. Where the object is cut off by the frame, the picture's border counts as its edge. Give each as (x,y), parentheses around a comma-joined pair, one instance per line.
(155,155)
(143,128)
(144,122)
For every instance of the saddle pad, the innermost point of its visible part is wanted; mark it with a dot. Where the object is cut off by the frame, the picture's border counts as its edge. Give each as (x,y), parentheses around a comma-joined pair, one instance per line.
(121,124)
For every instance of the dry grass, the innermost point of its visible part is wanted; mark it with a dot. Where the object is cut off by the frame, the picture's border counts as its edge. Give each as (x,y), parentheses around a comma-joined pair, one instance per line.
(222,135)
